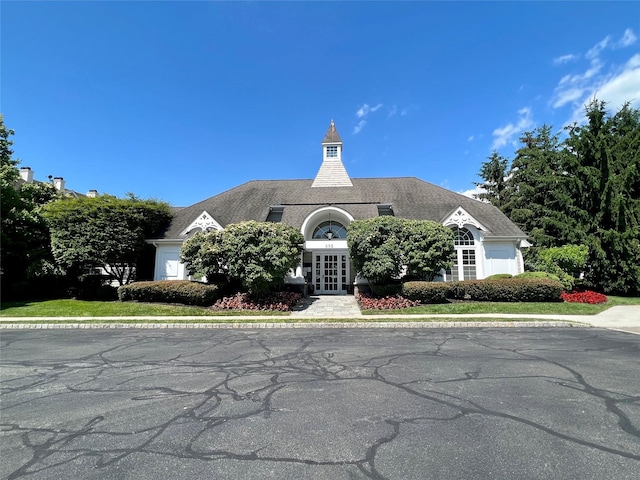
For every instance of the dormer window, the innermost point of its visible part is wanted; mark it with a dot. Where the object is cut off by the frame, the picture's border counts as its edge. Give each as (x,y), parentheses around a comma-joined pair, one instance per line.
(332,151)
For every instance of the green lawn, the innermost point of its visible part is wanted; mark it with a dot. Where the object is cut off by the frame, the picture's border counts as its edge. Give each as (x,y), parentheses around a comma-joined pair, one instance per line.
(82,308)
(556,308)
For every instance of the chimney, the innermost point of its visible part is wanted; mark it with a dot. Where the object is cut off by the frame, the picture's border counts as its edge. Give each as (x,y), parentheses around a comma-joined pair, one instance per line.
(26,174)
(92,193)
(58,182)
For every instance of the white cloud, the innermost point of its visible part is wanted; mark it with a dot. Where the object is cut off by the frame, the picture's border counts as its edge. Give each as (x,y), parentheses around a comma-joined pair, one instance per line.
(392,111)
(365,109)
(564,59)
(615,84)
(470,139)
(362,114)
(615,87)
(594,51)
(628,38)
(623,87)
(359,126)
(507,133)
(471,192)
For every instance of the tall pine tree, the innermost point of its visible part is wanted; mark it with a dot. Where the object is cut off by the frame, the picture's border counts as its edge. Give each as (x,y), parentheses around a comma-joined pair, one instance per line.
(604,183)
(494,173)
(537,197)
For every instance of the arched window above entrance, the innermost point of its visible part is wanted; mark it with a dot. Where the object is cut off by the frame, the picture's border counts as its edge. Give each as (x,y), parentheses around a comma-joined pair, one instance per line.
(330,230)
(463,236)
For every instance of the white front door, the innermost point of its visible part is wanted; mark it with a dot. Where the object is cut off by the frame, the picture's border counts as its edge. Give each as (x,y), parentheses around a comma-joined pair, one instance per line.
(330,273)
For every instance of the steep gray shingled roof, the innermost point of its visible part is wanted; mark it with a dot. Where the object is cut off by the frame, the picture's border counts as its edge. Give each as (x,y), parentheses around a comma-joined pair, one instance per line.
(410,197)
(332,135)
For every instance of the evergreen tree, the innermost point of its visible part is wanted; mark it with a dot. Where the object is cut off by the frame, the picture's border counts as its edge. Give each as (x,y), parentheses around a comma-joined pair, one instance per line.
(494,174)
(538,200)
(604,174)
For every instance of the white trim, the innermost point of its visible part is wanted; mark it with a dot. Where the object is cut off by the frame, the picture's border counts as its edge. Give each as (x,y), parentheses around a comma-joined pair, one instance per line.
(461,217)
(321,214)
(204,222)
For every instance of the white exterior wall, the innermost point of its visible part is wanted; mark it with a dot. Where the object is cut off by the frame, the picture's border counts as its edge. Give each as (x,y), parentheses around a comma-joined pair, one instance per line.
(168,265)
(499,257)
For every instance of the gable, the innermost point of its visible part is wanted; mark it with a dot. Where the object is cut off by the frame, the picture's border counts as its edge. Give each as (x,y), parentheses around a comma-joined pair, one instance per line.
(204,222)
(460,217)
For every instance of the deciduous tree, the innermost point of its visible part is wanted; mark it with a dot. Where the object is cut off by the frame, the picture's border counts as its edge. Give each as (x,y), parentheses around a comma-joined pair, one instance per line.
(382,247)
(256,254)
(25,246)
(103,232)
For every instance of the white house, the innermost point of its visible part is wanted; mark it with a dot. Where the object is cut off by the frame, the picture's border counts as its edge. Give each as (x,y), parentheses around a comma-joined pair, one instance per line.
(487,242)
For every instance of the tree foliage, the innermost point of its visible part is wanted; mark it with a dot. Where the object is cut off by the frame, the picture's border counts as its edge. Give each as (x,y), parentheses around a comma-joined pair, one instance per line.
(381,247)
(25,246)
(538,201)
(427,248)
(202,256)
(604,171)
(566,262)
(494,187)
(584,190)
(104,231)
(375,248)
(257,254)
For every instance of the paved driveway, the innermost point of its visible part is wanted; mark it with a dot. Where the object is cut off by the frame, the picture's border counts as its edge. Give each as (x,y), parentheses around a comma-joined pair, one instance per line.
(320,404)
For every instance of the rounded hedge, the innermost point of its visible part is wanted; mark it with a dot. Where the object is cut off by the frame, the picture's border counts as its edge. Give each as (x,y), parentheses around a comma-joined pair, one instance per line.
(170,291)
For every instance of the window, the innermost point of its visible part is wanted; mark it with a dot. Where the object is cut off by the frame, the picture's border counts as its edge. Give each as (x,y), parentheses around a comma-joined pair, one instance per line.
(330,230)
(463,237)
(464,264)
(332,151)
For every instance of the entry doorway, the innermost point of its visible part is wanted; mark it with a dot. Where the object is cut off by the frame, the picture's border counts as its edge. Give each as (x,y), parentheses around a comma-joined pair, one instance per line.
(330,273)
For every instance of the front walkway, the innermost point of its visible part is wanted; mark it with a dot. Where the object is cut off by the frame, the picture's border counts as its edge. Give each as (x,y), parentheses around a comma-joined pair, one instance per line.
(327,306)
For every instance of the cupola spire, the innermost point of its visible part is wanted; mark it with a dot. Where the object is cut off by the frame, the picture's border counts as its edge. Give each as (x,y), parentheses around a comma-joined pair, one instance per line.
(332,172)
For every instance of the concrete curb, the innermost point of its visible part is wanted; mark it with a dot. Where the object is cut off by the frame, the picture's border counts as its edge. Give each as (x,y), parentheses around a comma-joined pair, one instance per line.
(282,325)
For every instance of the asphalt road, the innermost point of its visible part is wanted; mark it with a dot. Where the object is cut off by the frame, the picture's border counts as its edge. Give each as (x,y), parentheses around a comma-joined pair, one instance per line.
(320,404)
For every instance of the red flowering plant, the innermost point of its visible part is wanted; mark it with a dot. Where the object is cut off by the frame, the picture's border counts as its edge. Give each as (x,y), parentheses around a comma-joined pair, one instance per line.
(368,302)
(278,301)
(584,296)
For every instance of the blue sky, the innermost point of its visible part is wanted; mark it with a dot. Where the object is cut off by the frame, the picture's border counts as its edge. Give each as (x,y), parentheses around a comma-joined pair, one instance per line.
(183,100)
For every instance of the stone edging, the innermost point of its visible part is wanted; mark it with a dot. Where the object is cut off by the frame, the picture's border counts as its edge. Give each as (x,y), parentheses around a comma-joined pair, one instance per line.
(282,325)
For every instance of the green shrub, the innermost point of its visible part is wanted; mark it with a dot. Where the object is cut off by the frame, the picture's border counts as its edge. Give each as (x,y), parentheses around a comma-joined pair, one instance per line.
(386,290)
(499,276)
(96,287)
(529,275)
(567,281)
(537,289)
(427,292)
(170,291)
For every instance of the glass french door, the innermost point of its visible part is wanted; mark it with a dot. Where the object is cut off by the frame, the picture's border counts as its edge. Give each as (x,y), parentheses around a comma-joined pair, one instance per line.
(330,274)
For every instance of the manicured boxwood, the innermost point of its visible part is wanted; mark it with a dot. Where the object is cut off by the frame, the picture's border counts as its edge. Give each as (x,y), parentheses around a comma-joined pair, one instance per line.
(508,290)
(170,291)
(499,276)
(530,275)
(427,292)
(499,290)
